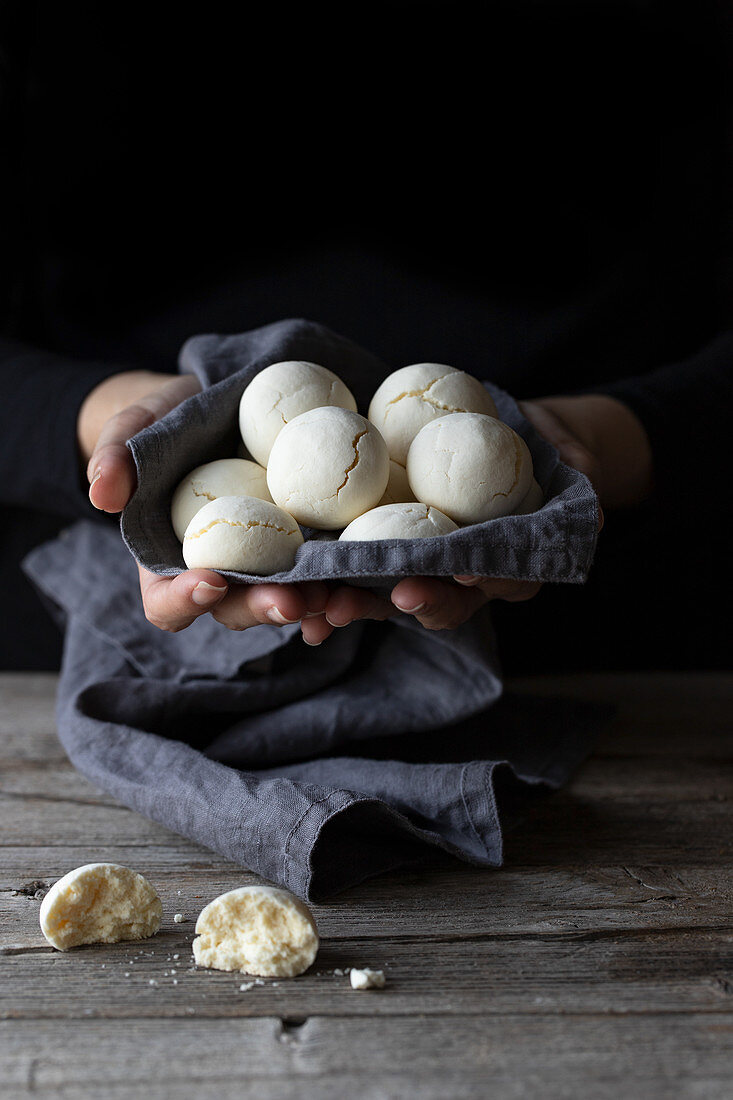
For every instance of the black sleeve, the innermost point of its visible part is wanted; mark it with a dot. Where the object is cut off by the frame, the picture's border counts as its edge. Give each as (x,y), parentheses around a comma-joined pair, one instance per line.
(686,409)
(40,465)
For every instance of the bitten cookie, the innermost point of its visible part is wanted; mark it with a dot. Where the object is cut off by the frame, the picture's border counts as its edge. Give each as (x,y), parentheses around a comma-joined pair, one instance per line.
(414,395)
(99,903)
(327,466)
(260,930)
(242,534)
(226,477)
(471,467)
(281,392)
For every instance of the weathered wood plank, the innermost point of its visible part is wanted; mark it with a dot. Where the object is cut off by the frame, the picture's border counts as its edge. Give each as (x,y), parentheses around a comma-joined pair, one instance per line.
(598,962)
(27,722)
(49,822)
(464,1057)
(412,1085)
(488,975)
(369,1085)
(635,778)
(59,782)
(450,902)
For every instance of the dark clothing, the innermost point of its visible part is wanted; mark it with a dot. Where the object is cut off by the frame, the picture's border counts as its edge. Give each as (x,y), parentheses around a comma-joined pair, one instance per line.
(540,196)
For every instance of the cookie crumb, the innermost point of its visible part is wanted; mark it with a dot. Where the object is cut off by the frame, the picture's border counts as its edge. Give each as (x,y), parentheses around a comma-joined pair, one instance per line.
(367,979)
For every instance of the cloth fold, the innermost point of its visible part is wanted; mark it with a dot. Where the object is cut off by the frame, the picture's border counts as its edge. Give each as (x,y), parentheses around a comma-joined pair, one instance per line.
(314,767)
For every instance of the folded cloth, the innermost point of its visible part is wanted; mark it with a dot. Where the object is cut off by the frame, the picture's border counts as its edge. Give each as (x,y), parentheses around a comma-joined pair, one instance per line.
(555,544)
(314,767)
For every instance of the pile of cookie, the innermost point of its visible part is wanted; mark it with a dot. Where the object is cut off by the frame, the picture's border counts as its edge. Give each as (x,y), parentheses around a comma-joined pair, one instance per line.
(430,456)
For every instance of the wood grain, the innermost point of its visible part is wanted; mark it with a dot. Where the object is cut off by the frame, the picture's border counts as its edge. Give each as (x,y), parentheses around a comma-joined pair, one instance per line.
(609,973)
(455,1057)
(598,962)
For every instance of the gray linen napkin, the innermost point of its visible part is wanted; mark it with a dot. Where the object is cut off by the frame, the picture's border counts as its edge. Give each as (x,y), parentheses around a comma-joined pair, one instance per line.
(314,767)
(555,544)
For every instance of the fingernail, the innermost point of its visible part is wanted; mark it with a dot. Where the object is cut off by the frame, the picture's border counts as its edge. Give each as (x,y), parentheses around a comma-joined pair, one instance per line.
(467,581)
(205,593)
(276,616)
(338,625)
(411,610)
(314,644)
(92,483)
(312,614)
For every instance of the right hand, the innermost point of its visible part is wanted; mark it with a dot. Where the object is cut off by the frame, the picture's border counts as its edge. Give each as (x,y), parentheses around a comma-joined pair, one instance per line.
(112,413)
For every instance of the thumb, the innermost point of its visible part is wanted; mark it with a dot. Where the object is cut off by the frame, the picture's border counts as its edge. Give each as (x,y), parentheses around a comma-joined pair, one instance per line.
(111,469)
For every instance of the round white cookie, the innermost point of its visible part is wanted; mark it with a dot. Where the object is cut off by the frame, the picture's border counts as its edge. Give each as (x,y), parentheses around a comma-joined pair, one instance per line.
(260,930)
(533,501)
(99,903)
(398,487)
(281,392)
(471,467)
(226,477)
(414,395)
(243,534)
(327,466)
(398,521)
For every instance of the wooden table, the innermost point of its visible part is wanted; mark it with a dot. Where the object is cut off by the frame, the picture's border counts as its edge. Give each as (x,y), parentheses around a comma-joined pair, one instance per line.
(597,963)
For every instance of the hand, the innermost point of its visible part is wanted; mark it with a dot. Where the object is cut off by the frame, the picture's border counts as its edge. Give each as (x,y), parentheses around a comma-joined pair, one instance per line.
(113,412)
(440,604)
(436,603)
(603,438)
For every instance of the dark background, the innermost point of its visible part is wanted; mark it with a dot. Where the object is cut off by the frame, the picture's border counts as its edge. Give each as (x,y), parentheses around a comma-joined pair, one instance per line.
(538,193)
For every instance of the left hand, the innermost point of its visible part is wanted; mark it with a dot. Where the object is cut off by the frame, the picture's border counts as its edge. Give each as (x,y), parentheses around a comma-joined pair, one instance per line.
(119,408)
